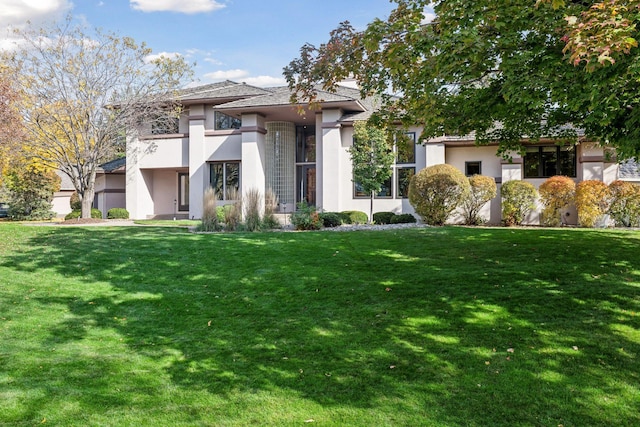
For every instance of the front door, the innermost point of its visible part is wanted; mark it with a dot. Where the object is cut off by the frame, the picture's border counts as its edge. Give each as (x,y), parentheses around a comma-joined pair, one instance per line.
(306,184)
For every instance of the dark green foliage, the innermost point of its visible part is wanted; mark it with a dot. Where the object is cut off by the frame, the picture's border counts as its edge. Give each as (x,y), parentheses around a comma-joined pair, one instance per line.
(383,217)
(95,213)
(330,219)
(74,202)
(344,217)
(405,218)
(518,199)
(30,193)
(306,218)
(118,213)
(356,217)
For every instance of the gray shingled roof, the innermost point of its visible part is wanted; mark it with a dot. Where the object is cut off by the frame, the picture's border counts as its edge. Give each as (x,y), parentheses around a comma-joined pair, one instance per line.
(222,90)
(629,170)
(280,96)
(114,164)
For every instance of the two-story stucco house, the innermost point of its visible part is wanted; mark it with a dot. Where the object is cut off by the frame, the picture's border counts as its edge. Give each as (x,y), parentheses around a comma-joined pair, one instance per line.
(236,136)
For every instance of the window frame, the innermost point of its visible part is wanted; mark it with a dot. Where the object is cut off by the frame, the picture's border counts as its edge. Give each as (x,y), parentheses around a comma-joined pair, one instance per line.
(392,184)
(539,150)
(472,162)
(234,123)
(222,195)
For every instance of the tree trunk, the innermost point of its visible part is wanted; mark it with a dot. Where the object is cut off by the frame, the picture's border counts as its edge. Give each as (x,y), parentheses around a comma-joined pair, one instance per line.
(87,202)
(371,209)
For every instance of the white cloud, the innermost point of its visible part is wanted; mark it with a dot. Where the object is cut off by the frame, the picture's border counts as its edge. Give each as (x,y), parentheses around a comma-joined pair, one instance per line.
(181,6)
(18,12)
(170,55)
(226,75)
(265,81)
(429,14)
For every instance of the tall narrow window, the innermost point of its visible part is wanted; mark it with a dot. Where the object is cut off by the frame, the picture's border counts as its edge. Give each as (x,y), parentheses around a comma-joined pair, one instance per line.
(224,178)
(183,191)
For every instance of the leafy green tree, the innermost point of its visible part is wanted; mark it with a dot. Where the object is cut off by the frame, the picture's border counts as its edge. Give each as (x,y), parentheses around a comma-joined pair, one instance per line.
(30,191)
(496,68)
(372,157)
(82,89)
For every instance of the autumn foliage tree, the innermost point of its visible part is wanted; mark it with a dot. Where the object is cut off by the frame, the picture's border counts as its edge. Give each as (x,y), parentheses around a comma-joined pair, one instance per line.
(480,63)
(84,92)
(11,130)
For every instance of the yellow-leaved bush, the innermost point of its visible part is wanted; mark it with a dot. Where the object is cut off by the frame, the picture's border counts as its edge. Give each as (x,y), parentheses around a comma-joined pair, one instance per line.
(592,202)
(625,203)
(556,194)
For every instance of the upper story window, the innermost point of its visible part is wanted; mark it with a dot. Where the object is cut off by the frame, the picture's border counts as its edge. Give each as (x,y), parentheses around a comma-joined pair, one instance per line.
(548,161)
(305,144)
(405,147)
(226,122)
(165,126)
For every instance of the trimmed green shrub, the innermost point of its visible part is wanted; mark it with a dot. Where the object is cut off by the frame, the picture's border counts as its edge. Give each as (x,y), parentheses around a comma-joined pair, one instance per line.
(344,217)
(436,191)
(625,203)
(306,218)
(405,218)
(95,213)
(330,219)
(356,217)
(481,190)
(518,199)
(556,193)
(383,217)
(118,213)
(592,202)
(220,213)
(74,202)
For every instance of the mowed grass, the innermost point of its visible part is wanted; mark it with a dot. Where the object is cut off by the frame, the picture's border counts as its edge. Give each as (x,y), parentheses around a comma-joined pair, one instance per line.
(154,326)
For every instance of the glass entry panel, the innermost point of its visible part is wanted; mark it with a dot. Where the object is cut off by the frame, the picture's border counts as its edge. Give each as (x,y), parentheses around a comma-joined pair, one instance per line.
(183,191)
(306,184)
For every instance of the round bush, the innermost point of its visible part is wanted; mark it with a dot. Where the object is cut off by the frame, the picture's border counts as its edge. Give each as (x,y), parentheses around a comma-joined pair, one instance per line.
(405,218)
(556,193)
(95,213)
(436,191)
(625,203)
(518,199)
(356,217)
(482,189)
(344,217)
(74,202)
(118,213)
(592,202)
(383,217)
(330,219)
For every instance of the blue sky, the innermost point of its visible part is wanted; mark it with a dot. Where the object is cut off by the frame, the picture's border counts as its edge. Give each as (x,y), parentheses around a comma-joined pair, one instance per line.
(242,40)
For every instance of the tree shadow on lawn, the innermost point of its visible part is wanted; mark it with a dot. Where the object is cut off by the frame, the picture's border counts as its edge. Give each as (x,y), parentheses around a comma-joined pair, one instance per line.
(454,326)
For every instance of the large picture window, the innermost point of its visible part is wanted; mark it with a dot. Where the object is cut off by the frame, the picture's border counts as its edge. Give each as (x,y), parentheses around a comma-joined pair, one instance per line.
(225,179)
(226,122)
(547,161)
(403,169)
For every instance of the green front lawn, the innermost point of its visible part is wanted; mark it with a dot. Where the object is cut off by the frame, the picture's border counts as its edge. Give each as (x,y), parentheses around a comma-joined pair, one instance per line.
(153,326)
